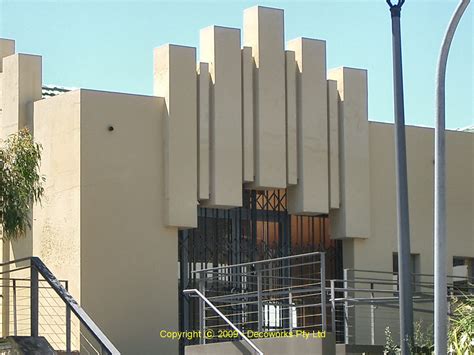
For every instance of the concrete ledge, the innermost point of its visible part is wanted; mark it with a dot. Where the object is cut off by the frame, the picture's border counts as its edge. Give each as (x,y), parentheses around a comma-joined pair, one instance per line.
(354,349)
(274,346)
(23,345)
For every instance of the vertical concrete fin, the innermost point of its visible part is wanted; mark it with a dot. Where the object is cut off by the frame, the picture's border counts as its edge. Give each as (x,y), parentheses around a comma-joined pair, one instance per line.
(291,126)
(264,32)
(203,130)
(175,80)
(220,47)
(333,134)
(7,48)
(247,115)
(352,219)
(21,87)
(310,195)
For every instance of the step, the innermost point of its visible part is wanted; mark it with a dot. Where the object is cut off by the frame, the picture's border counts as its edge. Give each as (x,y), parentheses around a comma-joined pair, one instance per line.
(25,345)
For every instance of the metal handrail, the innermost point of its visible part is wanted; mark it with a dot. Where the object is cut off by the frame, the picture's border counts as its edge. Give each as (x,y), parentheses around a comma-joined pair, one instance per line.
(413,273)
(269,261)
(209,303)
(55,284)
(37,266)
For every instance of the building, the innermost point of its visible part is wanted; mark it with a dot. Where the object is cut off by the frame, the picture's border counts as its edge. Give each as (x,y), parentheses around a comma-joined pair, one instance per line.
(253,151)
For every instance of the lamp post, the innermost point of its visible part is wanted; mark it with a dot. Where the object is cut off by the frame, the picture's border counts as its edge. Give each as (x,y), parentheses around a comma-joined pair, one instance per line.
(440,282)
(403,222)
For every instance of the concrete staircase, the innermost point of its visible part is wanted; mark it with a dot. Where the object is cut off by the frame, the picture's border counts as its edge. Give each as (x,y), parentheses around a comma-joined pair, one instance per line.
(25,345)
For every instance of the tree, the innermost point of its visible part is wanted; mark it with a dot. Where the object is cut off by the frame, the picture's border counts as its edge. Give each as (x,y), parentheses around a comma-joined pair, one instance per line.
(21,184)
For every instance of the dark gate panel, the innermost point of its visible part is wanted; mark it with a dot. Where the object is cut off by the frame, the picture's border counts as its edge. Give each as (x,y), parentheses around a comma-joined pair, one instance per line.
(262,229)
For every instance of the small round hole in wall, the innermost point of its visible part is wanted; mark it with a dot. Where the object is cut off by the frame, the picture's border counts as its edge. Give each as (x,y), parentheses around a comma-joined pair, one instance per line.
(110,128)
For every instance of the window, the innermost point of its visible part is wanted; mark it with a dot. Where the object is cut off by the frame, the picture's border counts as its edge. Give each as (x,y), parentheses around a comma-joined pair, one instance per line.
(415,270)
(463,273)
(272,318)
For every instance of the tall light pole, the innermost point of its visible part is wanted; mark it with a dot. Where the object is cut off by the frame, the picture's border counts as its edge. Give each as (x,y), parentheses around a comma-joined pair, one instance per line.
(440,282)
(403,221)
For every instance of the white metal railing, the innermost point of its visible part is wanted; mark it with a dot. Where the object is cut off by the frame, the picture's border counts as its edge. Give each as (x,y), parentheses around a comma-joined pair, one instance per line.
(215,309)
(376,292)
(283,294)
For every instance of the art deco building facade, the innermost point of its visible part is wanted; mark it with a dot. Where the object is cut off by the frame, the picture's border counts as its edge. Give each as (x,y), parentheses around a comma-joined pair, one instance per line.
(252,151)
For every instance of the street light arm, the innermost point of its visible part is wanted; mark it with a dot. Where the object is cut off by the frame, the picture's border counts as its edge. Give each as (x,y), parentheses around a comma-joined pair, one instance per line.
(398,5)
(440,281)
(448,38)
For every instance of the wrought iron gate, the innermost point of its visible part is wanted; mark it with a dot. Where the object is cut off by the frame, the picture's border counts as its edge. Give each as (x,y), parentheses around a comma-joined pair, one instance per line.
(262,229)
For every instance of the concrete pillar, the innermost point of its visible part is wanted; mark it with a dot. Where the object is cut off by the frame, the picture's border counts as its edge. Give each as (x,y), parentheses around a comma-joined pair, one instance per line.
(291,120)
(21,86)
(203,130)
(220,47)
(248,161)
(333,134)
(352,219)
(310,195)
(264,32)
(7,48)
(175,80)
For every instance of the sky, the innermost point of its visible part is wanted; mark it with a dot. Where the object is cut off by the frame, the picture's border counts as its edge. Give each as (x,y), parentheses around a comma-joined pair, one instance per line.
(108,45)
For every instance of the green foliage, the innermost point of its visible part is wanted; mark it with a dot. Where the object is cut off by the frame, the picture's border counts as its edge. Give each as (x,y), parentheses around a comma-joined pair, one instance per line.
(460,332)
(422,341)
(21,184)
(391,348)
(461,329)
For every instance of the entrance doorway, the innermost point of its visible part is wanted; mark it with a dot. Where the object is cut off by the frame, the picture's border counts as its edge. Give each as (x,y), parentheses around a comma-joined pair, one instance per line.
(261,229)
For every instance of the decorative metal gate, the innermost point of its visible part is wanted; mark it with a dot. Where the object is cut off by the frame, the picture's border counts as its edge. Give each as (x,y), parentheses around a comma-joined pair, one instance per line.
(262,229)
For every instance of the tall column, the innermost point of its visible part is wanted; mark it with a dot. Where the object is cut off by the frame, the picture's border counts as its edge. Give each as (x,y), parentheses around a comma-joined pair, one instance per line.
(21,86)
(333,135)
(203,130)
(175,80)
(291,120)
(7,48)
(352,219)
(264,32)
(310,195)
(248,160)
(220,47)
(21,81)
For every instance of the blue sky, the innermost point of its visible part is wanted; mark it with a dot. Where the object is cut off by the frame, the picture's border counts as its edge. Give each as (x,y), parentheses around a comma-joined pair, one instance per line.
(108,45)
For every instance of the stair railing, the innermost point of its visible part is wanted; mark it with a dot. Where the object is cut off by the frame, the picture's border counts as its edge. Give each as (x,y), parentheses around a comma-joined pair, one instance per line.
(37,267)
(215,309)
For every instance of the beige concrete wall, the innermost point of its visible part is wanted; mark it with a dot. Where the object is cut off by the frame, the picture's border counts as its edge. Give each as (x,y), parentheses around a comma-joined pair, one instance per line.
(376,252)
(101,225)
(128,255)
(420,160)
(57,228)
(220,47)
(175,80)
(352,219)
(57,232)
(310,195)
(263,30)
